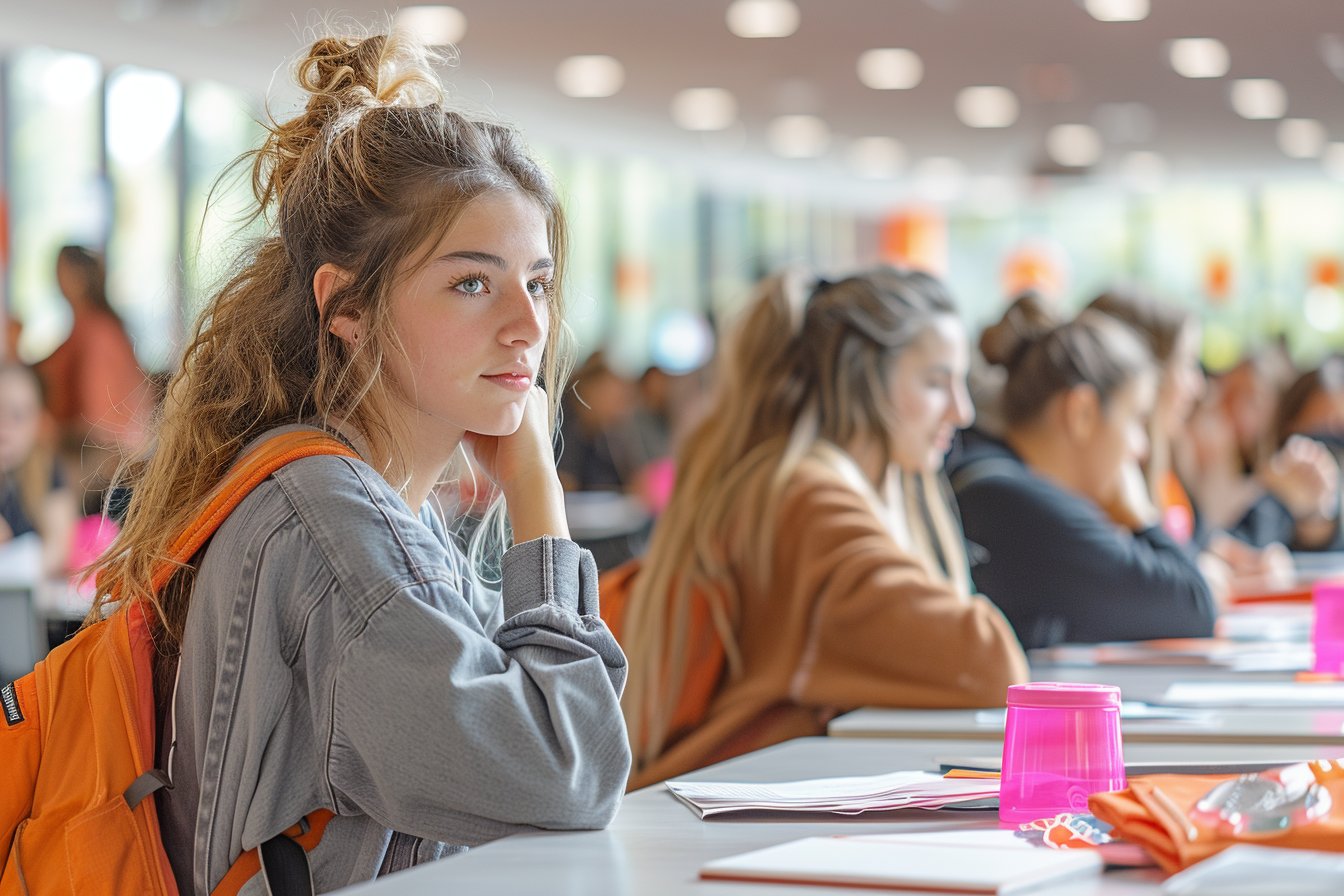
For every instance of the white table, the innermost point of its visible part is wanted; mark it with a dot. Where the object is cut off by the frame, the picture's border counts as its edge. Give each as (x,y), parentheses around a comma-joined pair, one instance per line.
(656,845)
(1285,727)
(1145,683)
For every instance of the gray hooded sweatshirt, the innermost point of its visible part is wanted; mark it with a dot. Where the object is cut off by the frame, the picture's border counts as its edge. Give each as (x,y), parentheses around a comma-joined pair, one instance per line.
(337,655)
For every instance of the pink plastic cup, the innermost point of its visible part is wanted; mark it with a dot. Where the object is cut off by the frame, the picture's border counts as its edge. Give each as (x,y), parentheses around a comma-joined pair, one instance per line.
(1061,743)
(1327,627)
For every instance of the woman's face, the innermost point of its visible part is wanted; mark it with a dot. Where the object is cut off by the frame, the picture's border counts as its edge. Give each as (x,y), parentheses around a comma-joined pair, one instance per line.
(473,321)
(20,416)
(1182,381)
(1118,437)
(927,385)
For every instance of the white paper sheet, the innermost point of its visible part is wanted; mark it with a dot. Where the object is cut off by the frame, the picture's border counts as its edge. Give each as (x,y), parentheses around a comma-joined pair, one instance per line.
(1256,694)
(848,796)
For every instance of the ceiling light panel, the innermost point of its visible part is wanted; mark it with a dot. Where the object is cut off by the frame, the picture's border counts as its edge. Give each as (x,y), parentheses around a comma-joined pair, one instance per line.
(590,77)
(1117,10)
(704,109)
(1199,57)
(1259,98)
(987,107)
(437,26)
(799,136)
(762,18)
(1301,138)
(1073,145)
(890,68)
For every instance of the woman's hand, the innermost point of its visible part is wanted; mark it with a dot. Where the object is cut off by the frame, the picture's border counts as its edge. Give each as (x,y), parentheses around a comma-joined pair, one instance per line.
(1131,506)
(1305,477)
(1253,570)
(522,464)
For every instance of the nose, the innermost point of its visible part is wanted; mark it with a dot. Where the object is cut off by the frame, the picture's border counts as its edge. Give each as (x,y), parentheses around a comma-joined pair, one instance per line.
(526,318)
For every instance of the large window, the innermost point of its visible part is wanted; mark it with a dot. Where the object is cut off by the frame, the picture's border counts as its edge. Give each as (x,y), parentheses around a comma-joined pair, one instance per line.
(143,113)
(1303,246)
(220,127)
(56,189)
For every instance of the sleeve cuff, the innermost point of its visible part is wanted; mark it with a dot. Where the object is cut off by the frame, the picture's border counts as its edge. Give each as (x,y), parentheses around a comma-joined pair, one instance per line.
(549,571)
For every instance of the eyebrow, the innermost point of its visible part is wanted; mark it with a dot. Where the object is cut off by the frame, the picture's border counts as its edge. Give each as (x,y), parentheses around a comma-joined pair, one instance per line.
(541,264)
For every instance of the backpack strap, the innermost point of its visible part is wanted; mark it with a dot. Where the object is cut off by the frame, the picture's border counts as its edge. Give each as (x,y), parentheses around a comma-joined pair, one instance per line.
(249,472)
(985,468)
(278,862)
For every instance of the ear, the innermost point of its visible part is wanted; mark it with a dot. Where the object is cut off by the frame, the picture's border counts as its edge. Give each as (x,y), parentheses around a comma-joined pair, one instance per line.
(329,280)
(1082,412)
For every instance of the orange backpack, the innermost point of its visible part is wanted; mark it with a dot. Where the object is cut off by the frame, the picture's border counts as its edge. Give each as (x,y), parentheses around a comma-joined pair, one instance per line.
(77,747)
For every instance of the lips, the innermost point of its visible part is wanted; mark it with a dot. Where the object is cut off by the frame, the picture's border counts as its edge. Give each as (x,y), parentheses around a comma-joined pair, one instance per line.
(514,382)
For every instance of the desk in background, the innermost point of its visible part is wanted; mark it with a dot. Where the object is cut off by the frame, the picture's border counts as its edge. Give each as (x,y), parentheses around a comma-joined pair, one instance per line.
(1276,727)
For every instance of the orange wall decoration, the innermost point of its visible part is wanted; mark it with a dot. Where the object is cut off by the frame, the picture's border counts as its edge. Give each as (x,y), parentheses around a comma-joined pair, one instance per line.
(1326,271)
(1218,278)
(1036,266)
(916,237)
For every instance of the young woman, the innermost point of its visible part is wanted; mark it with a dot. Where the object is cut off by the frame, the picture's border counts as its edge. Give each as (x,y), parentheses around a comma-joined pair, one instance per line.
(1172,335)
(332,647)
(1072,548)
(807,563)
(34,496)
(95,387)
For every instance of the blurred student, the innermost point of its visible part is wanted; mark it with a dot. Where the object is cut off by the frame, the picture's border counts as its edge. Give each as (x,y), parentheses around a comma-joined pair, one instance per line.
(1173,336)
(34,496)
(1232,436)
(94,385)
(808,563)
(1291,494)
(406,299)
(1302,479)
(597,451)
(1068,538)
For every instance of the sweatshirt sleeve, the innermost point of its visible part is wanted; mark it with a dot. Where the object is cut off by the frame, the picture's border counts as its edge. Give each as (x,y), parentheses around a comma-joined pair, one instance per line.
(1062,571)
(432,717)
(1269,520)
(884,631)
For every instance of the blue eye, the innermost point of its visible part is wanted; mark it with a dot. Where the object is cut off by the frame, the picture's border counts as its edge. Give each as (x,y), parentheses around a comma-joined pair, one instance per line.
(538,288)
(471,286)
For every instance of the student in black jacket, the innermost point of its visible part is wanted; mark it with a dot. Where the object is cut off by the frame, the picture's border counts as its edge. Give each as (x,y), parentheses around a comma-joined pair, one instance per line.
(1065,536)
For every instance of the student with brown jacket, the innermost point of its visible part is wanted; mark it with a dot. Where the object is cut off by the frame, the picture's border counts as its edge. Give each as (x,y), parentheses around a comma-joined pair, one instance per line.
(808,563)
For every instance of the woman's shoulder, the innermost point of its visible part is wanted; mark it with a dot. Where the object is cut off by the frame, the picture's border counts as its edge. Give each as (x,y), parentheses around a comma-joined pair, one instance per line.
(339,513)
(825,483)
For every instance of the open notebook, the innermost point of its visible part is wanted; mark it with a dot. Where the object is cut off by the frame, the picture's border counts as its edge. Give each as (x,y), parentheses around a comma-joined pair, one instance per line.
(949,862)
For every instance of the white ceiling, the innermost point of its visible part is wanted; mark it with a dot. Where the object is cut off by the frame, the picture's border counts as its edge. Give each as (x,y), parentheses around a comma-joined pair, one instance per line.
(511,48)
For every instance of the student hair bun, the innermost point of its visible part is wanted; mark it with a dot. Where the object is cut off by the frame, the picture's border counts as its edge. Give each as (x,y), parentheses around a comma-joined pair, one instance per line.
(344,78)
(1025,322)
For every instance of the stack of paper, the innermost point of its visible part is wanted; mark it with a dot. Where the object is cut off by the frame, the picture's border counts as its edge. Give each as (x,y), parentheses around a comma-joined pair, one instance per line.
(844,796)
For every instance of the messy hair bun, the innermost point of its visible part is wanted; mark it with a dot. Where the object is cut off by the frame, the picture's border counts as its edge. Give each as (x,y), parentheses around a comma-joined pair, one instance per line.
(343,77)
(1025,322)
(1044,357)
